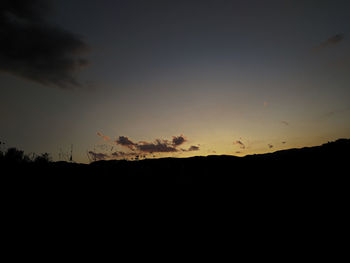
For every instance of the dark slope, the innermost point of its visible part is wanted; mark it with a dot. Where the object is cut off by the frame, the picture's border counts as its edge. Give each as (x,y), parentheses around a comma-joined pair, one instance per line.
(292,189)
(330,160)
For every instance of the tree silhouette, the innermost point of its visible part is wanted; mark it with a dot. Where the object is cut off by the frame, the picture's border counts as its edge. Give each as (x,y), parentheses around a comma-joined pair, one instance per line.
(13,155)
(43,158)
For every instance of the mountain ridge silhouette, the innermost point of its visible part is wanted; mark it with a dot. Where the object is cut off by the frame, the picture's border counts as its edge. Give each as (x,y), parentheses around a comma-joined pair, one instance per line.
(330,157)
(310,180)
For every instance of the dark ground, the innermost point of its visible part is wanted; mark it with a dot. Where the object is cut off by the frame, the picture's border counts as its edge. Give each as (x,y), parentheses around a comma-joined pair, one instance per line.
(313,168)
(289,202)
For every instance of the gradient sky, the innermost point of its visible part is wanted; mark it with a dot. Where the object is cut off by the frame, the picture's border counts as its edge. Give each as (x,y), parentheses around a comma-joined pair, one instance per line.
(230,77)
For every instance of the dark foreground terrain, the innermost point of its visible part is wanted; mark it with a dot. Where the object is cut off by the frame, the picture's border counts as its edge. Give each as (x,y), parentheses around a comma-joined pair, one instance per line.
(296,192)
(325,165)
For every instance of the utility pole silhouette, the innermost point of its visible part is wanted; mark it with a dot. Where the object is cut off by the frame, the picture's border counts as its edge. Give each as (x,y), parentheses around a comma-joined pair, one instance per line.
(71,154)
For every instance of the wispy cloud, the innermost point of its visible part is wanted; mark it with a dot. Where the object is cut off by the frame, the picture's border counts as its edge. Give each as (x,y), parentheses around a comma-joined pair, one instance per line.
(192,148)
(285,123)
(240,143)
(331,41)
(98,156)
(121,154)
(335,112)
(106,138)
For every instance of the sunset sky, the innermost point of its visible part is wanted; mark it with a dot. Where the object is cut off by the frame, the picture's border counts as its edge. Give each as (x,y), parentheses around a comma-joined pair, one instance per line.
(173,78)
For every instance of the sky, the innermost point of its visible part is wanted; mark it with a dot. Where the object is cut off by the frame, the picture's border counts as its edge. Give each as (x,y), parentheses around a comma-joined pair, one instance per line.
(127,79)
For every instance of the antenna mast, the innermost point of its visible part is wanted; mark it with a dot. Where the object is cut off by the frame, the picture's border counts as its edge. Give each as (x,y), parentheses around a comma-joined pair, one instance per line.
(71,153)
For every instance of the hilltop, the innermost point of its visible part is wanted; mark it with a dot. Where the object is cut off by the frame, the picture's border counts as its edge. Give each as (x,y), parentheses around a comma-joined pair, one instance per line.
(330,159)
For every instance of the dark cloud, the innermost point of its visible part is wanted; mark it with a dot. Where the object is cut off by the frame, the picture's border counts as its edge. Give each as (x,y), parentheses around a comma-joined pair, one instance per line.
(142,149)
(283,142)
(157,147)
(270,146)
(240,143)
(126,142)
(333,40)
(285,122)
(178,140)
(193,148)
(34,49)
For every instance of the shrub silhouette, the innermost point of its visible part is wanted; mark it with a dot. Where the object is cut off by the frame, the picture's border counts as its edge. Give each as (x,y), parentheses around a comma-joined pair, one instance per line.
(43,158)
(13,155)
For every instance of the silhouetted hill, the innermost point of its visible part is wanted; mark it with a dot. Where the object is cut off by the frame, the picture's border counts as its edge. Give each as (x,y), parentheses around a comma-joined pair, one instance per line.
(326,161)
(293,184)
